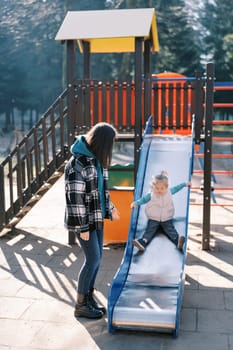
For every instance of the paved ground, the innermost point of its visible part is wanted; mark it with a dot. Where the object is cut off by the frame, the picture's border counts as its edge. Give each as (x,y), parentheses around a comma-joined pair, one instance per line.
(38,272)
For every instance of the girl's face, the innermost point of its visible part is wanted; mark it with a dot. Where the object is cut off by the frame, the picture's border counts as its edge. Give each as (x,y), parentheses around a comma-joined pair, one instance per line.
(160,188)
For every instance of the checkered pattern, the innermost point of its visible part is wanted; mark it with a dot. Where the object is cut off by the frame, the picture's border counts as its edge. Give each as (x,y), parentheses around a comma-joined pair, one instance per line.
(83,212)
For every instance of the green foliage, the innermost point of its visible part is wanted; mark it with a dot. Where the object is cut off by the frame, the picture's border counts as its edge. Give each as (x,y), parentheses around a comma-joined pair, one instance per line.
(217,22)
(31,62)
(30,58)
(179,49)
(179,42)
(11,88)
(228,50)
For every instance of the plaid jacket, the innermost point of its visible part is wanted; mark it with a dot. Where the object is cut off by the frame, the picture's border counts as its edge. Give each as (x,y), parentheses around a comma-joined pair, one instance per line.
(83,211)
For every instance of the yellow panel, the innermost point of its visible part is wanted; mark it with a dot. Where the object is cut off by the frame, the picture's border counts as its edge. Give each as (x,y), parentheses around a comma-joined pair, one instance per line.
(112,45)
(155,34)
(116,45)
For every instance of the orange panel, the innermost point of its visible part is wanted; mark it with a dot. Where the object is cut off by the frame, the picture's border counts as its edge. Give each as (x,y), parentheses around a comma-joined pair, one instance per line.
(117,231)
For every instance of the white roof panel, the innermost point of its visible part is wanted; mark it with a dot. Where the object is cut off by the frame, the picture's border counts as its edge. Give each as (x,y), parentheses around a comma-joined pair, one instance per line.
(105,24)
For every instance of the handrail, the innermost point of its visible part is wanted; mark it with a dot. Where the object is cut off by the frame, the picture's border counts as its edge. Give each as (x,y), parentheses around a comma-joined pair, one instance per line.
(33,162)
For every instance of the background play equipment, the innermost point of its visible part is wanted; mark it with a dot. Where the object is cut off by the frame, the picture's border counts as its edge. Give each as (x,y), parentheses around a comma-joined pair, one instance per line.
(147,289)
(222,140)
(143,294)
(39,158)
(117,231)
(137,33)
(172,102)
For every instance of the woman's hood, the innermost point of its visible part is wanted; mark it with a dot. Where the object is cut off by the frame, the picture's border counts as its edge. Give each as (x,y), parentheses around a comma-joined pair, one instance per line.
(80,146)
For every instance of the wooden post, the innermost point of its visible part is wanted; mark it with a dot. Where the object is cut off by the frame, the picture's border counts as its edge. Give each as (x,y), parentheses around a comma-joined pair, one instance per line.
(198,108)
(2,196)
(86,90)
(71,238)
(71,75)
(147,80)
(86,60)
(71,61)
(138,102)
(209,99)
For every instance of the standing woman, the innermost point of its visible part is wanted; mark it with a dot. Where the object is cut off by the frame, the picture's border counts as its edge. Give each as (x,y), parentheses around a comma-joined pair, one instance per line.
(87,204)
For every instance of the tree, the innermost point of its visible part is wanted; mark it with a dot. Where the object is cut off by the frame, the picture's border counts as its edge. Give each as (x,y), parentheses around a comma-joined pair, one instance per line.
(228,49)
(31,49)
(12,90)
(180,48)
(218,37)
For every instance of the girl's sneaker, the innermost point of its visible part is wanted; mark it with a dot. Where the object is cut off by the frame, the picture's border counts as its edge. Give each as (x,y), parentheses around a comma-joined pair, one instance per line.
(140,244)
(180,244)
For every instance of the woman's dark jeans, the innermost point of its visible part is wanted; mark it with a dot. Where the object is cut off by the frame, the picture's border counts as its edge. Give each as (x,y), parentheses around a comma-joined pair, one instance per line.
(93,249)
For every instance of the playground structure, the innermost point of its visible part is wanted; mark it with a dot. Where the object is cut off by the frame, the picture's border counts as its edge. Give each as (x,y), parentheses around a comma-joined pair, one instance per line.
(147,289)
(38,160)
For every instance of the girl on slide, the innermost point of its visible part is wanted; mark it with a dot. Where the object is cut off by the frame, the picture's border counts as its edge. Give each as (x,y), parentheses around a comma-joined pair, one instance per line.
(160,211)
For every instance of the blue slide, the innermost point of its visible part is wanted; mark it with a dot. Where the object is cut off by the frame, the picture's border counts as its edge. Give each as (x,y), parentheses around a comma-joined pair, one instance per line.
(146,292)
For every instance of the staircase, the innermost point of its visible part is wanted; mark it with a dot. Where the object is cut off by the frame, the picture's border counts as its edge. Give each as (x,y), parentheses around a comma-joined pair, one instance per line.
(34,164)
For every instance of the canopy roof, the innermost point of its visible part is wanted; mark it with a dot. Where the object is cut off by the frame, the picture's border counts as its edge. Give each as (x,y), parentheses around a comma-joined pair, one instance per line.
(110,30)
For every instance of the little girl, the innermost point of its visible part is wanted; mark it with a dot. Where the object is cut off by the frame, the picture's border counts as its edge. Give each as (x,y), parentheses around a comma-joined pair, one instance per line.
(160,211)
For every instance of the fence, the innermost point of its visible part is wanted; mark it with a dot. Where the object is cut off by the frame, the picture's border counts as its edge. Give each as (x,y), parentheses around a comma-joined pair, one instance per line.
(172,104)
(37,160)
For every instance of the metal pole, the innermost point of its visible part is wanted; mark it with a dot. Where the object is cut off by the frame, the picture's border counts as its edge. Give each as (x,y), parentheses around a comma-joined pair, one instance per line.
(209,99)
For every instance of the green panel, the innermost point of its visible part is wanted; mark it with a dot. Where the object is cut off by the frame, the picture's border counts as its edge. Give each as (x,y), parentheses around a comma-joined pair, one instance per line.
(121,175)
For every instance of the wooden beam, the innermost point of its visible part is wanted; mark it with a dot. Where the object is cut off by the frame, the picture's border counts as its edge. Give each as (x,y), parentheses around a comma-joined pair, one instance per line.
(71,61)
(147,79)
(86,60)
(209,99)
(138,101)
(71,76)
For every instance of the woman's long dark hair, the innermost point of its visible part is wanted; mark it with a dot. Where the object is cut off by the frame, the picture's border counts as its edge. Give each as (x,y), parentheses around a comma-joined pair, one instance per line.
(100,139)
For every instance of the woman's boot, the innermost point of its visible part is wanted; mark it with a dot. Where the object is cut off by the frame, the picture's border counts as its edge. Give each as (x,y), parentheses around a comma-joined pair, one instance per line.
(94,303)
(84,309)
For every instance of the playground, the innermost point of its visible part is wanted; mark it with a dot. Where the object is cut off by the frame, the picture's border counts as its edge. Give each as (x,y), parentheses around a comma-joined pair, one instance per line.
(38,279)
(162,299)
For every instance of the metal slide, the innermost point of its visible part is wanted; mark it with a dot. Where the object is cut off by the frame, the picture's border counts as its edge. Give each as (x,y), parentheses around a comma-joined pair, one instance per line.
(146,292)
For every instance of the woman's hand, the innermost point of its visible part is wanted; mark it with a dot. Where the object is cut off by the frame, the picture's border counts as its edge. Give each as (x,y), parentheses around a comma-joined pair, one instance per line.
(189,184)
(115,214)
(85,235)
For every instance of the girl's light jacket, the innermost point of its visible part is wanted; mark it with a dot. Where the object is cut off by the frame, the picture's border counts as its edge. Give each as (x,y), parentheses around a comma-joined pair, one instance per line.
(160,207)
